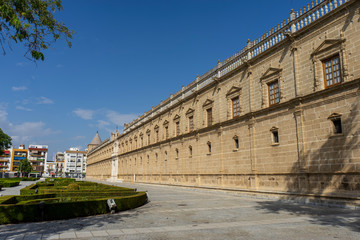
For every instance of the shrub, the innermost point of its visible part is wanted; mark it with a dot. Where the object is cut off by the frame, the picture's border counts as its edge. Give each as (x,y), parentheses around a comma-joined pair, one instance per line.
(8,182)
(73,186)
(50,207)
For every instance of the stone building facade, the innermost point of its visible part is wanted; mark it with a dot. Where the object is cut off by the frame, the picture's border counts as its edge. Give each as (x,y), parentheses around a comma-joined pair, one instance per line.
(279,116)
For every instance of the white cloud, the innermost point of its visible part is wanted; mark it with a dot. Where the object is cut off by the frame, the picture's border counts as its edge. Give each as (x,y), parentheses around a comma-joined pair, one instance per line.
(23,108)
(20,64)
(23,132)
(118,118)
(20,88)
(102,123)
(79,137)
(84,113)
(45,100)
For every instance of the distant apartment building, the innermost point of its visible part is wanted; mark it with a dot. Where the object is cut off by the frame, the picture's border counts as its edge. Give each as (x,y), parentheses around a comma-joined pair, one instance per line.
(60,164)
(5,160)
(75,163)
(38,158)
(18,154)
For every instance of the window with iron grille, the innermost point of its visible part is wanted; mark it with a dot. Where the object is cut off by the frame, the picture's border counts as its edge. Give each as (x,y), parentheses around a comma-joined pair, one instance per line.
(177,128)
(191,123)
(235,106)
(332,71)
(209,116)
(274,93)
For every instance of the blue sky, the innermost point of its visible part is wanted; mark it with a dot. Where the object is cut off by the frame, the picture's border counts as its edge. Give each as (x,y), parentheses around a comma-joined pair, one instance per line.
(126,57)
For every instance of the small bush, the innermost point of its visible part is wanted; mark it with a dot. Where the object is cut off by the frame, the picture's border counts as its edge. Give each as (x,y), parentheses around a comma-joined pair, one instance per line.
(73,186)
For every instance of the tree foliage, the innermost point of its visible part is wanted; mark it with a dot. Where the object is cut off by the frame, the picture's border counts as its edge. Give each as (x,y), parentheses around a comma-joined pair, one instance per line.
(25,166)
(33,23)
(5,141)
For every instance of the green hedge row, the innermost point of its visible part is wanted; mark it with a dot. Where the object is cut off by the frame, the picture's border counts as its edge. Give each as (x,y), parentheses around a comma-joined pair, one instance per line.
(45,209)
(5,182)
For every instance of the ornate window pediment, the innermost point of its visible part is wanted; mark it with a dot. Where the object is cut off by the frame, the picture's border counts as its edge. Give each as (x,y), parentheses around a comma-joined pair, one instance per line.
(273,129)
(322,55)
(233,90)
(334,116)
(272,86)
(166,122)
(156,127)
(177,117)
(271,72)
(208,103)
(189,111)
(148,131)
(326,45)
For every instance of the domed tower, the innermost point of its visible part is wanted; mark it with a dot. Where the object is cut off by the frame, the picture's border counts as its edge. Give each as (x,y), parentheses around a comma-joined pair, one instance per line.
(95,142)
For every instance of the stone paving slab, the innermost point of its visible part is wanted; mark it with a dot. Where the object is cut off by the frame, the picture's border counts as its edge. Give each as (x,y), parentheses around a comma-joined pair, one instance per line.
(83,234)
(180,213)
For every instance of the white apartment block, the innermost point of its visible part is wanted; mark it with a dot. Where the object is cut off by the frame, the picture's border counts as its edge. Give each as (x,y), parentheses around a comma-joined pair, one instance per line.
(75,163)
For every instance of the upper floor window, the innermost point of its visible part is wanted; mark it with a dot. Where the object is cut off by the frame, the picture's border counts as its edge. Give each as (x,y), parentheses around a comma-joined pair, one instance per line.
(332,71)
(209,116)
(191,123)
(177,128)
(274,93)
(166,132)
(235,106)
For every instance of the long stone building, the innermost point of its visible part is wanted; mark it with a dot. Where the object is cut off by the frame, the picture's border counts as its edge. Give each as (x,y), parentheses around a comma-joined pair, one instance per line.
(279,116)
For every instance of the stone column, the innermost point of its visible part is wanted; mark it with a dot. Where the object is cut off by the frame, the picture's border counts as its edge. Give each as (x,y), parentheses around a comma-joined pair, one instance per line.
(252,138)
(300,137)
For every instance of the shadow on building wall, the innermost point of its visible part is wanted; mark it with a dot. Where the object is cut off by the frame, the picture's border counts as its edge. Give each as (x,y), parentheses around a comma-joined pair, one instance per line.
(332,178)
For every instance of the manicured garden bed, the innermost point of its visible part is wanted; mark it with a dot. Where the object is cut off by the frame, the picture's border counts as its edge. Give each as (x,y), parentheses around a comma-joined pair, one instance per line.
(9,182)
(65,198)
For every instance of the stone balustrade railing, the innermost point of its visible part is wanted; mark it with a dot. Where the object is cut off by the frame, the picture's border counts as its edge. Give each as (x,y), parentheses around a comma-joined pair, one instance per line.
(297,20)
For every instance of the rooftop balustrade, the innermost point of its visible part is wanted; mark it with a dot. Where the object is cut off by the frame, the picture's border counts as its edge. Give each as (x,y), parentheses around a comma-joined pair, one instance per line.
(295,22)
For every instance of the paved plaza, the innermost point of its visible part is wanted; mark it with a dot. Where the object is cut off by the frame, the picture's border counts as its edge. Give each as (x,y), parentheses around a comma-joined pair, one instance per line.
(187,213)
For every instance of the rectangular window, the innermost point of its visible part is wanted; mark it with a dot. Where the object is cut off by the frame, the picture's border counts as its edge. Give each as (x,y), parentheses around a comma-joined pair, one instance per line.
(166,132)
(148,136)
(191,123)
(274,93)
(209,116)
(177,128)
(236,106)
(236,141)
(157,135)
(275,137)
(332,71)
(337,125)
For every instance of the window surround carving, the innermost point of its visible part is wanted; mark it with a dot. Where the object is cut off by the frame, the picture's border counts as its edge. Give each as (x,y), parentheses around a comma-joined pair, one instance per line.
(233,92)
(177,125)
(327,49)
(271,75)
(236,142)
(275,141)
(206,106)
(335,118)
(190,113)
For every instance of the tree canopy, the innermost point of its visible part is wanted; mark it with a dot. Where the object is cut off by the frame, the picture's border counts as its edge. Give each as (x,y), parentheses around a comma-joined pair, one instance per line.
(25,167)
(33,23)
(5,141)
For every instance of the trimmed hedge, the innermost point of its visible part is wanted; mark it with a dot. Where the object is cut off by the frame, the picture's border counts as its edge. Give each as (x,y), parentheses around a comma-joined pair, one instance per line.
(47,209)
(60,203)
(8,182)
